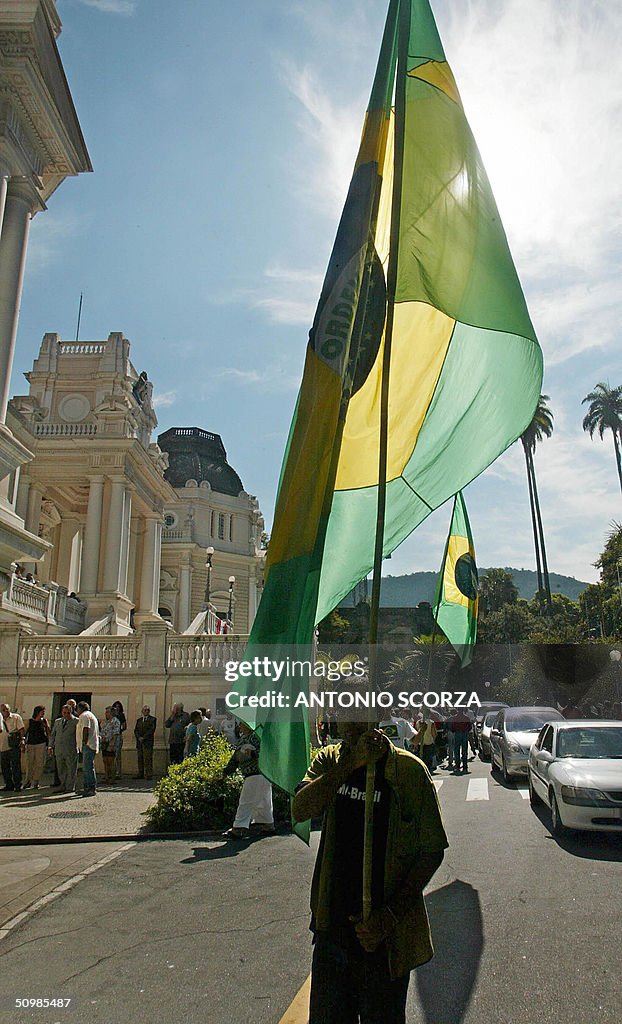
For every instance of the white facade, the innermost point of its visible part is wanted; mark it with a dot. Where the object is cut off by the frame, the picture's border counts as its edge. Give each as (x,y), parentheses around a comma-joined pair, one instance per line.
(95,489)
(40,145)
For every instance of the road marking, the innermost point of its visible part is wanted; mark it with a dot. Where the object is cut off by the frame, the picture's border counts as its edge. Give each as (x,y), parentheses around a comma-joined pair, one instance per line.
(298,1010)
(524,793)
(477,789)
(58,890)
(437,784)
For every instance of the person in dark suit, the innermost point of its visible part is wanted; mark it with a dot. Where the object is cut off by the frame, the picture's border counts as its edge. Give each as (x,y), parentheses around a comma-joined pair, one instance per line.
(144,731)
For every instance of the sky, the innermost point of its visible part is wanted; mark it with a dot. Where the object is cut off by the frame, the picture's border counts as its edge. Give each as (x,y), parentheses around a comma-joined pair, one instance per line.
(223,138)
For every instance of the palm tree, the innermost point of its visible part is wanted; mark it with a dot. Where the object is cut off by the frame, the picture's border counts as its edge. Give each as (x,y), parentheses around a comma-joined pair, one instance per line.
(496,588)
(605,413)
(541,426)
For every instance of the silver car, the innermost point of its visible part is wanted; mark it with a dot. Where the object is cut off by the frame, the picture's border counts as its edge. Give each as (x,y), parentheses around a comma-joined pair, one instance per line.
(484,713)
(575,769)
(483,734)
(513,732)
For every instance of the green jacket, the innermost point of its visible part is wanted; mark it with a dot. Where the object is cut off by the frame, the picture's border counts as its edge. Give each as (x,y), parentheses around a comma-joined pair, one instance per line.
(415,827)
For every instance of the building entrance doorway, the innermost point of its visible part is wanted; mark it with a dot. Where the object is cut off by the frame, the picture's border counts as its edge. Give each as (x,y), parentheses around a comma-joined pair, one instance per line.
(62,698)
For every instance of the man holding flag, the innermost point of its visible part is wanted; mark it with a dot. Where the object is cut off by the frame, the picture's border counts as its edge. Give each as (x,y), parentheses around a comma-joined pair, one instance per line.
(361,969)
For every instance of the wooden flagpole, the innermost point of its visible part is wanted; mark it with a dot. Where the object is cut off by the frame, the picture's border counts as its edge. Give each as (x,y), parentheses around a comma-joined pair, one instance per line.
(400,104)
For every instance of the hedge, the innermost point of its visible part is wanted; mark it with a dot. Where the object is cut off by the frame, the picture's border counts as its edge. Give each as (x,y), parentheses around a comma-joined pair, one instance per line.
(194,796)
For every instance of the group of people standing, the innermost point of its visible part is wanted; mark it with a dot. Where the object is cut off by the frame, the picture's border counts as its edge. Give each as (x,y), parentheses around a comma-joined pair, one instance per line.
(75,735)
(431,737)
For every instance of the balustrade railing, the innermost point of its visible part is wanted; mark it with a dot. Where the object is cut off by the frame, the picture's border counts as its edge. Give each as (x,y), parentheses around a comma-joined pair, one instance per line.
(65,429)
(82,348)
(110,654)
(202,652)
(42,654)
(27,597)
(50,604)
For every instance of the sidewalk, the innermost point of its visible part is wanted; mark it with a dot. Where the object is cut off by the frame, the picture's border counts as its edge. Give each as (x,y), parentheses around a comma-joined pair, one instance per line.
(46,814)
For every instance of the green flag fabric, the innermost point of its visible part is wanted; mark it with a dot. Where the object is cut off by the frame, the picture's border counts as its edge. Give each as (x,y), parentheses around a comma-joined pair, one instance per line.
(420,251)
(456,604)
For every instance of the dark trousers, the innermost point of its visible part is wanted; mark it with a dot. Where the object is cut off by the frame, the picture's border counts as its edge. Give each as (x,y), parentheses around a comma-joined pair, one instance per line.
(461,751)
(144,754)
(348,989)
(176,751)
(11,762)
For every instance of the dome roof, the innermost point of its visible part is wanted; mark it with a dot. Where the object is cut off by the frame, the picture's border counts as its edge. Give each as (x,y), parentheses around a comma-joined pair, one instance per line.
(200,456)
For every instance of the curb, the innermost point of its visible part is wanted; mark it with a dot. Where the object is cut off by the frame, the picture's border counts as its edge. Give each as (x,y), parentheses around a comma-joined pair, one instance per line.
(133,837)
(123,837)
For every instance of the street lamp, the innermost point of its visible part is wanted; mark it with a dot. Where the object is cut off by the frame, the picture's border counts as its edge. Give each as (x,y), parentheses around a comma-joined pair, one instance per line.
(231,586)
(208,565)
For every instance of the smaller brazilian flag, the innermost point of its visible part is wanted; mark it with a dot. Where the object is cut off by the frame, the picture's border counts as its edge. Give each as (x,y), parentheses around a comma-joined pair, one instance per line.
(456,600)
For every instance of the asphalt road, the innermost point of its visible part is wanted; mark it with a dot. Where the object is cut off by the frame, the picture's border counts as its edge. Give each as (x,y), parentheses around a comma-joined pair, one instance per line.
(527,929)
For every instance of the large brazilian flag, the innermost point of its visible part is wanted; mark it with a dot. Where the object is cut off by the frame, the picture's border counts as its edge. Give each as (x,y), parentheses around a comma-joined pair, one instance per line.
(421,253)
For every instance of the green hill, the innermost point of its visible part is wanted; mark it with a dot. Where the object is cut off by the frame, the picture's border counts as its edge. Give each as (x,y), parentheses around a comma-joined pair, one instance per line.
(407,591)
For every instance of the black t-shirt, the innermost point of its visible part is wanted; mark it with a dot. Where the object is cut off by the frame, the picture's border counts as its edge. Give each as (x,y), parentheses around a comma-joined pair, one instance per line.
(36,733)
(347,875)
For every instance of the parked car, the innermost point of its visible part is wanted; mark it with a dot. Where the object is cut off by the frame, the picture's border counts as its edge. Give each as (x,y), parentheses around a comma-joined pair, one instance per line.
(483,734)
(512,734)
(481,714)
(575,769)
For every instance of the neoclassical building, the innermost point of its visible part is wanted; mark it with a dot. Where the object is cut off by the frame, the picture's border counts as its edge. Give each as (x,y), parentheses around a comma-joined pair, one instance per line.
(130,525)
(152,560)
(41,144)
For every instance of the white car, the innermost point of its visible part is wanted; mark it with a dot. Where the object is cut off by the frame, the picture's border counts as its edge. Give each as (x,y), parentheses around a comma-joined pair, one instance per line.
(575,768)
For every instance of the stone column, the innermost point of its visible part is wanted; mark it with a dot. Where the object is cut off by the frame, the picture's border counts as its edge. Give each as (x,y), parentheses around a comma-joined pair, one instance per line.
(252,600)
(65,563)
(19,204)
(124,554)
(21,504)
(185,584)
(74,582)
(92,536)
(114,536)
(150,569)
(33,514)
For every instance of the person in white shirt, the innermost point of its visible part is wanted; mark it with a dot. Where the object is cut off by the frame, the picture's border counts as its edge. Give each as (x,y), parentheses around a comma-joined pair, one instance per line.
(87,743)
(227,728)
(205,725)
(11,742)
(399,731)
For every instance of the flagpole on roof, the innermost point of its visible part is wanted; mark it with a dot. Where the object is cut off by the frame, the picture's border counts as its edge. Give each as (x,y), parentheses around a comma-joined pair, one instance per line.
(403,34)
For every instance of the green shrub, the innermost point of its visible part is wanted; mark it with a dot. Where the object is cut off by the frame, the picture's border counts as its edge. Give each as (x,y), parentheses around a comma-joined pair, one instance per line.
(194,796)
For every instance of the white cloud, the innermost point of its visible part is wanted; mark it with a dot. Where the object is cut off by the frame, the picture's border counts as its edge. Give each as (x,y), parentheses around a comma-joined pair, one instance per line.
(294,295)
(540,84)
(49,235)
(272,378)
(112,6)
(163,399)
(330,132)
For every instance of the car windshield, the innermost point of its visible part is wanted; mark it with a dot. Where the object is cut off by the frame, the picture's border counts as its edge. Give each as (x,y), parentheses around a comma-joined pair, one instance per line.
(529,721)
(587,742)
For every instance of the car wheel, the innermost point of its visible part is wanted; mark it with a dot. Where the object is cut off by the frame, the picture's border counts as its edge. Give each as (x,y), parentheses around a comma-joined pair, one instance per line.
(558,828)
(534,799)
(504,771)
